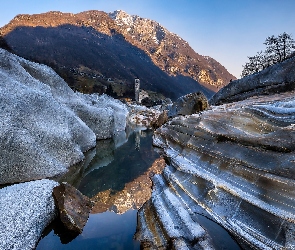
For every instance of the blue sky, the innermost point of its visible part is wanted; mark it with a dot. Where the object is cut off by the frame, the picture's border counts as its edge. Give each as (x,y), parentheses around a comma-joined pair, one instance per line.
(227,30)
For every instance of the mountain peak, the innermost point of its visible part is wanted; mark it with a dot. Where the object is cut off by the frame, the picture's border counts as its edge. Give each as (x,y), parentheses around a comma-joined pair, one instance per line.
(122,18)
(112,39)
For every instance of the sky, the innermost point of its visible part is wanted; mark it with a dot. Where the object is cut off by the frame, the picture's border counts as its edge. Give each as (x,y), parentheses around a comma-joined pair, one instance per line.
(227,30)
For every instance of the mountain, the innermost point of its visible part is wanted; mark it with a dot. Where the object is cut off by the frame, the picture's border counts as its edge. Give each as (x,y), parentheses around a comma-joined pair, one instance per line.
(170,52)
(99,52)
(4,45)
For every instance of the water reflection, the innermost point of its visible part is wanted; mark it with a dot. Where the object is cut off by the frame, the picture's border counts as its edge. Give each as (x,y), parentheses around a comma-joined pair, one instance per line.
(103,231)
(131,160)
(100,156)
(137,140)
(134,194)
(115,176)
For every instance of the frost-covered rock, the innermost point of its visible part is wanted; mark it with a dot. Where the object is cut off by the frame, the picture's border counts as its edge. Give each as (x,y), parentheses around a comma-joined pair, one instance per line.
(25,210)
(105,115)
(234,164)
(142,116)
(45,126)
(277,78)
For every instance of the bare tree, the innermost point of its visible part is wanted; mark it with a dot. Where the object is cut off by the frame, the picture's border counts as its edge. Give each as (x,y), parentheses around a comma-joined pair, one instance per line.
(287,45)
(277,50)
(256,63)
(273,49)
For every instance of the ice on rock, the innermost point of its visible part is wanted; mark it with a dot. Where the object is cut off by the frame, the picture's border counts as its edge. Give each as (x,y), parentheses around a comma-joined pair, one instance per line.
(44,125)
(25,210)
(233,163)
(120,111)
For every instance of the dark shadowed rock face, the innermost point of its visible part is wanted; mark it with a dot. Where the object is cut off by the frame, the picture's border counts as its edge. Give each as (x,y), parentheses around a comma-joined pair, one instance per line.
(73,207)
(162,119)
(275,79)
(234,164)
(4,45)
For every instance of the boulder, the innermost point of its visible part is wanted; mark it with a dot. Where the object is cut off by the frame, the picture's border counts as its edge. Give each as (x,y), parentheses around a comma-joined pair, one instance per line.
(160,120)
(147,117)
(25,210)
(105,115)
(189,104)
(45,126)
(148,102)
(73,207)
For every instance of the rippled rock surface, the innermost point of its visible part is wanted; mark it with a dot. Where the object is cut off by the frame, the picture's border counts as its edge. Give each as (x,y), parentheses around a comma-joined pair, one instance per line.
(45,126)
(234,164)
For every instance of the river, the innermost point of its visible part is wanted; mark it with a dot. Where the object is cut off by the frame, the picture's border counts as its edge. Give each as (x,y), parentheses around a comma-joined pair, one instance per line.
(117,178)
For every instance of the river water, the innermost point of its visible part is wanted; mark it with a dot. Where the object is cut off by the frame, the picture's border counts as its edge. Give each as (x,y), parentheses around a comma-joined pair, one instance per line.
(116,176)
(117,179)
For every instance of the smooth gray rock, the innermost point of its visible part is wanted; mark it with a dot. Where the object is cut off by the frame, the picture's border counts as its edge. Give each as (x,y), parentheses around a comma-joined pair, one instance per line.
(25,210)
(275,79)
(45,126)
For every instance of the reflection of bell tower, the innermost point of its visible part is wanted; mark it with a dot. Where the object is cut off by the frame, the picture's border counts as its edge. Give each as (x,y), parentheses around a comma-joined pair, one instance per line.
(137,140)
(136,89)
